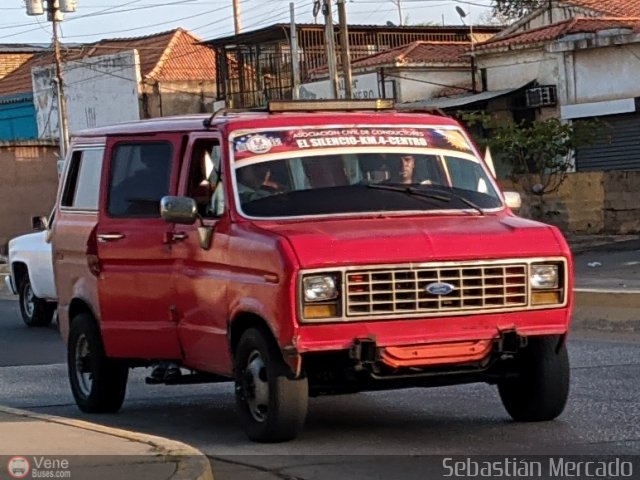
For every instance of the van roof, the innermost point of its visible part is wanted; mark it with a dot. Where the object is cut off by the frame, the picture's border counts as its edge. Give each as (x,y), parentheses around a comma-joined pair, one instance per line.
(245,120)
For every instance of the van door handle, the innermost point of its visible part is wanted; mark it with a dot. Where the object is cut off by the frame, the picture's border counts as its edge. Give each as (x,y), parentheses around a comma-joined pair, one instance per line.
(110,237)
(179,236)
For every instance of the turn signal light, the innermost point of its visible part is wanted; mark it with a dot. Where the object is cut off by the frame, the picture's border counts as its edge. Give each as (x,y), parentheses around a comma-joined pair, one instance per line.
(320,311)
(546,298)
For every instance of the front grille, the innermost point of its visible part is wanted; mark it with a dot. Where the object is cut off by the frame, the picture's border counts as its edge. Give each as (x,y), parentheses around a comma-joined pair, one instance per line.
(404,290)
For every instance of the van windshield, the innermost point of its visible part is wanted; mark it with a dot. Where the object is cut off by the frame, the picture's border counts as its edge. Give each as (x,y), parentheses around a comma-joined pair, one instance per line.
(309,172)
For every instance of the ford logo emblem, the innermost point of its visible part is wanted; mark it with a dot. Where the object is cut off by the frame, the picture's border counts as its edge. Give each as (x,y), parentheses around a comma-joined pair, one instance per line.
(440,288)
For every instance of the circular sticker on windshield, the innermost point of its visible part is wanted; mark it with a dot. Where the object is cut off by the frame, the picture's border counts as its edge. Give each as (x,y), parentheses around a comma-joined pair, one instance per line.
(258,144)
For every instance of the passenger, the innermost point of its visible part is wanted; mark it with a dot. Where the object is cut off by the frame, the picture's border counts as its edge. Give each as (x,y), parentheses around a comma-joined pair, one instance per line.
(254,182)
(140,193)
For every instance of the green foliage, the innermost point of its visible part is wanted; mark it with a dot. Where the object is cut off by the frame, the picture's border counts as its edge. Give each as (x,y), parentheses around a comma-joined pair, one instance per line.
(516,9)
(539,153)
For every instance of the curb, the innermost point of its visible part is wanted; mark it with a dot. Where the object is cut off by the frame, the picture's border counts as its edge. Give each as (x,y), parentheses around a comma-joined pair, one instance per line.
(191,462)
(606,309)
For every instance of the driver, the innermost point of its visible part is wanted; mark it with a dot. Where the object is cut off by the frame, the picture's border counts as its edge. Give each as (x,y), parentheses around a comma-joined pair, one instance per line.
(254,182)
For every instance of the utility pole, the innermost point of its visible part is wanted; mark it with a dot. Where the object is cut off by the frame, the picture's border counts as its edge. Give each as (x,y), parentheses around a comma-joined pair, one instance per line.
(62,103)
(236,16)
(295,62)
(55,10)
(330,46)
(345,50)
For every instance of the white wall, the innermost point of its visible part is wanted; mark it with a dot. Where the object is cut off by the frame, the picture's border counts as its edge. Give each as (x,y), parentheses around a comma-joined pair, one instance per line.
(514,69)
(607,73)
(363,86)
(99,91)
(423,84)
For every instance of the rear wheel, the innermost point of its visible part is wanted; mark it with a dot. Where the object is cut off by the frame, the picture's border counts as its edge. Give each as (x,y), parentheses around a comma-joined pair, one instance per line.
(541,389)
(98,383)
(35,312)
(272,406)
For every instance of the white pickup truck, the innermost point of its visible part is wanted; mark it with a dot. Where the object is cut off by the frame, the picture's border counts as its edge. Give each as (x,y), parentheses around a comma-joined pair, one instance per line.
(31,277)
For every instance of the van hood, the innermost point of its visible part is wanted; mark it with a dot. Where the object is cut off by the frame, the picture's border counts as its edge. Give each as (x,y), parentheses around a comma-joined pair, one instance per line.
(381,240)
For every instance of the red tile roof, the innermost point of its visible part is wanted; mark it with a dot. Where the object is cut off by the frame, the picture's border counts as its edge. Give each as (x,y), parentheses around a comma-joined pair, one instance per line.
(558,30)
(618,8)
(420,52)
(176,55)
(173,55)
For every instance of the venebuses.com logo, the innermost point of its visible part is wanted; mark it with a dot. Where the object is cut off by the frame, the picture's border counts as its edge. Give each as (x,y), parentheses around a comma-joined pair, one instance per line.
(18,467)
(38,467)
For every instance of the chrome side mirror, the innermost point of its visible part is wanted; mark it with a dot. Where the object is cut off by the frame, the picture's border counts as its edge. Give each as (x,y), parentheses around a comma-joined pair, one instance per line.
(513,200)
(182,210)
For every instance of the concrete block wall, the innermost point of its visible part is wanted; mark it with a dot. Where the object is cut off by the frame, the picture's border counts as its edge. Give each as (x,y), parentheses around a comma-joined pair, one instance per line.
(28,186)
(622,203)
(588,203)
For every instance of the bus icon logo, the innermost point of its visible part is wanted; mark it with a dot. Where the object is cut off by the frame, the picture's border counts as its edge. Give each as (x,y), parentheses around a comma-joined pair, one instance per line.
(18,467)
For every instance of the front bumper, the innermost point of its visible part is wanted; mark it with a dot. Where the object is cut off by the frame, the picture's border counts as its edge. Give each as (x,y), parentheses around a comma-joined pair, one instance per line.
(368,367)
(8,281)
(425,331)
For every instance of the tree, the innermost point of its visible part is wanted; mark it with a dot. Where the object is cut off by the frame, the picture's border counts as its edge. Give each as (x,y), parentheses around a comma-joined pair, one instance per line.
(538,154)
(516,9)
(494,18)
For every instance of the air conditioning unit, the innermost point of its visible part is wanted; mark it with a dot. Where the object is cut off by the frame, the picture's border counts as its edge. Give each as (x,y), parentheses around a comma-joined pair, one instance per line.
(542,96)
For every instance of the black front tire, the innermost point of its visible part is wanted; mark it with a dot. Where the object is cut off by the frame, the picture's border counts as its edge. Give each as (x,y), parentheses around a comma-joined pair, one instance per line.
(272,405)
(541,388)
(35,311)
(98,383)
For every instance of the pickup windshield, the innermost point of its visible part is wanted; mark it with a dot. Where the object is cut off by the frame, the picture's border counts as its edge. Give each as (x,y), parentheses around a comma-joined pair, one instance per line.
(363,170)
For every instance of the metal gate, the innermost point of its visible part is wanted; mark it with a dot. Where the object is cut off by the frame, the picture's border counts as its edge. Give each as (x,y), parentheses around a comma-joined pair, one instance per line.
(617,146)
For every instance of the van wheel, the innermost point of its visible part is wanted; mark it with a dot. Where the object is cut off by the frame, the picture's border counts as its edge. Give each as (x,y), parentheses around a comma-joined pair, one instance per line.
(541,389)
(35,311)
(272,406)
(98,383)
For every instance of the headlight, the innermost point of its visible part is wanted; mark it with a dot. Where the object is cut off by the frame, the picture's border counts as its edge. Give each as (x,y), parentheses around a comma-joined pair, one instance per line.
(544,276)
(319,288)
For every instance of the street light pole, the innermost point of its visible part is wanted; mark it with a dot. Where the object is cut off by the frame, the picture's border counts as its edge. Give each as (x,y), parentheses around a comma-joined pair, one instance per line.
(55,9)
(62,103)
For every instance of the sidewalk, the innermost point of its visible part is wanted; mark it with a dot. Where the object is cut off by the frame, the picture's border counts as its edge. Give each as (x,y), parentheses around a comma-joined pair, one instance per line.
(76,449)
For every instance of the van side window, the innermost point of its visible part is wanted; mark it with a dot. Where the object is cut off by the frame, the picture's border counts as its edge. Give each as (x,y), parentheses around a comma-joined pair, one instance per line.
(140,174)
(83,180)
(204,176)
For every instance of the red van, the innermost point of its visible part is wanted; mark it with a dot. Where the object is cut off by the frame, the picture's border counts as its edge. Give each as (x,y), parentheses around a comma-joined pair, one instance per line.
(310,249)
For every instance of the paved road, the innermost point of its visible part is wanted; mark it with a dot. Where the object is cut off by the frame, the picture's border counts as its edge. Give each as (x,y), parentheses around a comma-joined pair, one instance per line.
(603,415)
(612,266)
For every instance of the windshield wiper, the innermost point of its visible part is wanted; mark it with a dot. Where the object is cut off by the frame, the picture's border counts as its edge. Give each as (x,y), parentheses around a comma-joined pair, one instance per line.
(468,202)
(410,190)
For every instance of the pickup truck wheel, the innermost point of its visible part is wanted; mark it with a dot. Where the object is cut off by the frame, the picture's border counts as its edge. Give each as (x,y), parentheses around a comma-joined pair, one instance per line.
(98,383)
(540,390)
(272,406)
(35,312)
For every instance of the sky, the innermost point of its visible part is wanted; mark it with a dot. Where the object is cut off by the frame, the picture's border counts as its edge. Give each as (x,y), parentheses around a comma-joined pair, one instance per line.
(208,19)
